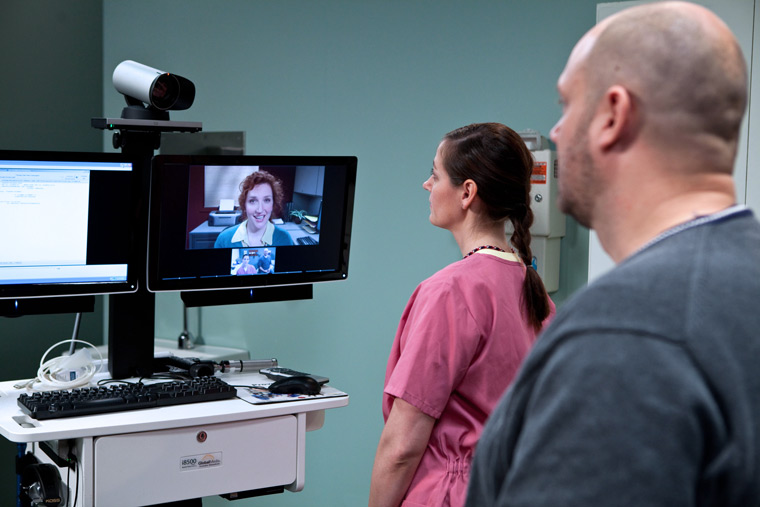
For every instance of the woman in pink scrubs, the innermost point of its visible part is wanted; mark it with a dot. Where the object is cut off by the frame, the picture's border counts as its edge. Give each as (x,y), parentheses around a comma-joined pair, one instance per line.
(466,329)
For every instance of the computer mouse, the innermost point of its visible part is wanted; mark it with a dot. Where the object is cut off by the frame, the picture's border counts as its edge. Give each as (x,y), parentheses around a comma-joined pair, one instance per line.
(295,385)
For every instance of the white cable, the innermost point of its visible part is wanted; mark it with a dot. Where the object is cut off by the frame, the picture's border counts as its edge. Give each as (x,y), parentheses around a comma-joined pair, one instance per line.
(46,374)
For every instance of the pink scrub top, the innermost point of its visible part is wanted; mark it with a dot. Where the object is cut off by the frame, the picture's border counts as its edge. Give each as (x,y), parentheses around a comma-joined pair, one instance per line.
(460,341)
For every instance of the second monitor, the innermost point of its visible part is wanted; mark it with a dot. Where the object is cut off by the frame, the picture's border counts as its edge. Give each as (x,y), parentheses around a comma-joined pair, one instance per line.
(234,222)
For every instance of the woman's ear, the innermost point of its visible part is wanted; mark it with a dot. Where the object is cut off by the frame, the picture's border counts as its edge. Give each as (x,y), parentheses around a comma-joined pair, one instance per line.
(469,191)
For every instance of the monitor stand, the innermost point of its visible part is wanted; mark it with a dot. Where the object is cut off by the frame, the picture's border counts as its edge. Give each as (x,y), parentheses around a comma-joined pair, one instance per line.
(46,305)
(132,317)
(242,296)
(131,330)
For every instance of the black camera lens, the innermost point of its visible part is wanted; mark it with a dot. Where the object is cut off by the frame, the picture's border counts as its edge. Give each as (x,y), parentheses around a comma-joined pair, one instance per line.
(164,92)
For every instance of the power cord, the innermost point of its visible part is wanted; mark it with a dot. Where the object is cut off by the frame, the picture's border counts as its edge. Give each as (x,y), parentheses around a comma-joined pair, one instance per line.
(75,332)
(73,459)
(67,371)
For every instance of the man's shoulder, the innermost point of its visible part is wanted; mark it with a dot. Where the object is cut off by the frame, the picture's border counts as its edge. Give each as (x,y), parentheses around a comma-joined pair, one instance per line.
(662,289)
(621,297)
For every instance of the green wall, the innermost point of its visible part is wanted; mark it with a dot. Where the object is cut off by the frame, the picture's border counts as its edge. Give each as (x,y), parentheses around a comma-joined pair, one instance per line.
(379,80)
(382,80)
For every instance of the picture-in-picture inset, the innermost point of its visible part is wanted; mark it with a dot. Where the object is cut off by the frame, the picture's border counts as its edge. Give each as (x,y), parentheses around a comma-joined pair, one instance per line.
(253,261)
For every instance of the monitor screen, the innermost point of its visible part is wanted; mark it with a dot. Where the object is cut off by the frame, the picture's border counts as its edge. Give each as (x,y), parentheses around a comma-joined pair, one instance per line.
(66,224)
(233,222)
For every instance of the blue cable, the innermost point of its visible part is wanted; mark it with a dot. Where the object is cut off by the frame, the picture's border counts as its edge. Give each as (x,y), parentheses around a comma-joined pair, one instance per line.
(21,450)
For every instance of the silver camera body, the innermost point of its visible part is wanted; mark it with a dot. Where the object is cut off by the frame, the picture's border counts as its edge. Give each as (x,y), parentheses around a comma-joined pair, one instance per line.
(159,89)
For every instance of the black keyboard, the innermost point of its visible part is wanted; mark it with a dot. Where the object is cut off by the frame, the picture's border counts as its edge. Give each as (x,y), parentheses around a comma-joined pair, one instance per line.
(121,397)
(306,240)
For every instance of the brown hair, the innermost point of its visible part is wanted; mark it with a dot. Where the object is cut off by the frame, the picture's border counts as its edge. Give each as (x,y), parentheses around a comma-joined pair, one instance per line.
(258,178)
(496,159)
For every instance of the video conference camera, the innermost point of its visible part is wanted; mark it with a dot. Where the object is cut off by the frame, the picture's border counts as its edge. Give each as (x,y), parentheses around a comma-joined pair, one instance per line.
(161,91)
(150,94)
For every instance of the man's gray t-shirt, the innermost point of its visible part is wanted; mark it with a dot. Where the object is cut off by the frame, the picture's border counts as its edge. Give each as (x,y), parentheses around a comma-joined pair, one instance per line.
(645,390)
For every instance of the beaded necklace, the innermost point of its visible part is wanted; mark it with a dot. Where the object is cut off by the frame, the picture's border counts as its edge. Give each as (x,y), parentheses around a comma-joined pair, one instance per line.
(484,247)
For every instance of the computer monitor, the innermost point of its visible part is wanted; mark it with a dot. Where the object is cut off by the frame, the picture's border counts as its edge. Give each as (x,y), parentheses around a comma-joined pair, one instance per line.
(66,228)
(295,231)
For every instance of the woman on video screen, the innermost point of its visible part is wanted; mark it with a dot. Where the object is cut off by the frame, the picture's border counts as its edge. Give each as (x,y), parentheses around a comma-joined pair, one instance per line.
(260,197)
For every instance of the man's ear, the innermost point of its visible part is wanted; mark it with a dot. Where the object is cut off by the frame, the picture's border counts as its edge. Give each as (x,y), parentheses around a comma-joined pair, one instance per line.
(469,191)
(614,120)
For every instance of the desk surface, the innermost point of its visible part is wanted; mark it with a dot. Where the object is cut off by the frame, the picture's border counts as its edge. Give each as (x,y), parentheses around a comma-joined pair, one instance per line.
(18,427)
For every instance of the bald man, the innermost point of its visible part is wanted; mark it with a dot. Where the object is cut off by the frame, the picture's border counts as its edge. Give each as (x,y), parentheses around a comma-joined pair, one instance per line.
(645,390)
